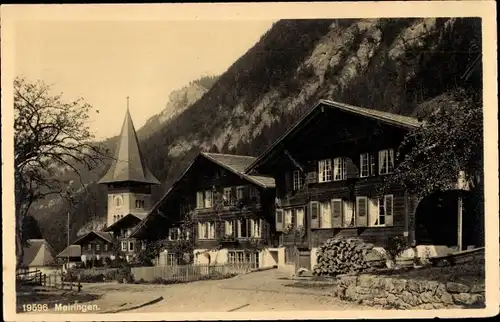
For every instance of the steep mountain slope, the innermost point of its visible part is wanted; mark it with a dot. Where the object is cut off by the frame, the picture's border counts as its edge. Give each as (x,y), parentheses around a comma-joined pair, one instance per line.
(387,64)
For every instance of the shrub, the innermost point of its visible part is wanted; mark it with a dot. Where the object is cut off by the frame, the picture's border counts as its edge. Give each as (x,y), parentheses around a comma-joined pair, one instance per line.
(395,246)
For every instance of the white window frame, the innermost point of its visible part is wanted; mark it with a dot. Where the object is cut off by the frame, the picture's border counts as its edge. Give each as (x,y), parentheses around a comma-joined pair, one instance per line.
(240,192)
(385,157)
(325,170)
(143,245)
(97,247)
(89,246)
(364,164)
(227,196)
(297,179)
(206,230)
(170,230)
(256,228)
(303,217)
(124,246)
(287,217)
(229,228)
(208,200)
(327,214)
(339,169)
(382,204)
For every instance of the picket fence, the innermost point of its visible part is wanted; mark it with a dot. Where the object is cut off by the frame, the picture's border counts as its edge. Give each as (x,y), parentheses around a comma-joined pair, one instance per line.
(187,273)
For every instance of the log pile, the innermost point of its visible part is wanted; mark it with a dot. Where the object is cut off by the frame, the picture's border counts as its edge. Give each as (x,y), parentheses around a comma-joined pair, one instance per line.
(343,256)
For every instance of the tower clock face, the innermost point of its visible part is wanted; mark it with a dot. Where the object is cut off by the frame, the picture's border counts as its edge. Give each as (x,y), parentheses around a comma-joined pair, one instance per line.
(118,201)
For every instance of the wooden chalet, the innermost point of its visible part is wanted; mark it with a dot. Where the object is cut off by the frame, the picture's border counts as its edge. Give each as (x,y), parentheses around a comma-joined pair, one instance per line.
(227,215)
(328,169)
(96,246)
(121,231)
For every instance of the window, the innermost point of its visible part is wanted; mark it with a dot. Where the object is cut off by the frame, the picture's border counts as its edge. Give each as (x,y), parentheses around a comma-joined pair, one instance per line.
(143,245)
(385,161)
(288,217)
(114,218)
(139,204)
(256,227)
(244,228)
(173,259)
(339,169)
(240,192)
(124,246)
(325,215)
(106,247)
(208,198)
(97,247)
(279,219)
(254,193)
(199,200)
(226,196)
(367,165)
(229,228)
(299,215)
(89,247)
(243,257)
(298,180)
(381,211)
(174,234)
(206,230)
(362,206)
(131,246)
(325,170)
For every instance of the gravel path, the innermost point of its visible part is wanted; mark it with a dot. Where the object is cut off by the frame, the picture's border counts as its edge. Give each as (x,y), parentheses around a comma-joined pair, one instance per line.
(260,291)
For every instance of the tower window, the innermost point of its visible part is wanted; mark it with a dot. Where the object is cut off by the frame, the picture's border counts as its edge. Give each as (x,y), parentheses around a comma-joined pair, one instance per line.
(139,204)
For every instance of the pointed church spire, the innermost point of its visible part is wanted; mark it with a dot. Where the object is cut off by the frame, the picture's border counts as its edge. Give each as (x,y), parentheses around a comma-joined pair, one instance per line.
(128,163)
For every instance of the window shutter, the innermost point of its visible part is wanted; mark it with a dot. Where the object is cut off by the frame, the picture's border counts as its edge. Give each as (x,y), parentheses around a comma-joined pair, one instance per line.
(279,219)
(337,213)
(314,214)
(389,207)
(199,199)
(361,211)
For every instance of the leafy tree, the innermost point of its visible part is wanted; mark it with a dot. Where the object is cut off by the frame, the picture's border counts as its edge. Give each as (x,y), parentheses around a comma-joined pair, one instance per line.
(50,136)
(449,141)
(31,230)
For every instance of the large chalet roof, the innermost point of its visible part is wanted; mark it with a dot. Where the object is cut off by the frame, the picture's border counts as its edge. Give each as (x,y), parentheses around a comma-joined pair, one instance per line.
(103,235)
(406,122)
(128,162)
(123,220)
(233,163)
(71,251)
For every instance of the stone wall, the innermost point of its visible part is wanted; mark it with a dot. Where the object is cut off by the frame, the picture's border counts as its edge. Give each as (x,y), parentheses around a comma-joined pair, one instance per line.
(405,294)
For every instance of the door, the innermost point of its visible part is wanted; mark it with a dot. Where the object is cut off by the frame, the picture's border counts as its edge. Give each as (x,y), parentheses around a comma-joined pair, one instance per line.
(303,260)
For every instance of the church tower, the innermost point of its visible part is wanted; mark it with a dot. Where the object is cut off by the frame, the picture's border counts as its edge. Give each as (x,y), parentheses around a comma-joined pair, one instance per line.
(128,179)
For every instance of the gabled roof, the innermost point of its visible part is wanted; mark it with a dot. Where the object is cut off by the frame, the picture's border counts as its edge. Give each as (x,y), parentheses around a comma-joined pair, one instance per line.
(406,122)
(37,253)
(237,164)
(103,235)
(121,220)
(233,163)
(128,162)
(71,251)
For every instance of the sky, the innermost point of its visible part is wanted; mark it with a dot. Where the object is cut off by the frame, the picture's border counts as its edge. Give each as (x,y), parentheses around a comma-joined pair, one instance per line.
(105,61)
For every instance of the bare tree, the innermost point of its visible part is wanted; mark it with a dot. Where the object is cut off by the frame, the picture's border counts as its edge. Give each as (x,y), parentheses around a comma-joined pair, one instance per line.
(51,138)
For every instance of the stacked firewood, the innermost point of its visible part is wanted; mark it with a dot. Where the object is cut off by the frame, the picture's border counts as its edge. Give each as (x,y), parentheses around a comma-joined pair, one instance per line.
(342,256)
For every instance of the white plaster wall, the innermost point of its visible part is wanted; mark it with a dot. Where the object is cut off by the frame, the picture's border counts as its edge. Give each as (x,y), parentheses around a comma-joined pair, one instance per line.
(216,257)
(268,258)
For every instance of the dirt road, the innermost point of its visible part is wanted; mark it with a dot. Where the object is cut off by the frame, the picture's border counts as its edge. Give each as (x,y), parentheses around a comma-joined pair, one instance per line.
(260,291)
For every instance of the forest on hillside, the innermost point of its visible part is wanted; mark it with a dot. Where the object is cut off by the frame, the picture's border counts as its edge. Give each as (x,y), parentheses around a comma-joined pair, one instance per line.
(395,65)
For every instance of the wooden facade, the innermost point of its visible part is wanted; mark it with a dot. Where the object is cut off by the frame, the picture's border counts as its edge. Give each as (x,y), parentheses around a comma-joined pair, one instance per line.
(329,171)
(225,207)
(95,246)
(122,231)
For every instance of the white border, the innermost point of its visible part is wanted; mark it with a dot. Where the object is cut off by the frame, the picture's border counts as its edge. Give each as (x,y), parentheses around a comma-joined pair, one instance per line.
(257,11)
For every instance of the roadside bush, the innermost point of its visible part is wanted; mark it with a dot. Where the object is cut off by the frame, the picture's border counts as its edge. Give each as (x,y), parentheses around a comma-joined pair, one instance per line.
(395,246)
(124,275)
